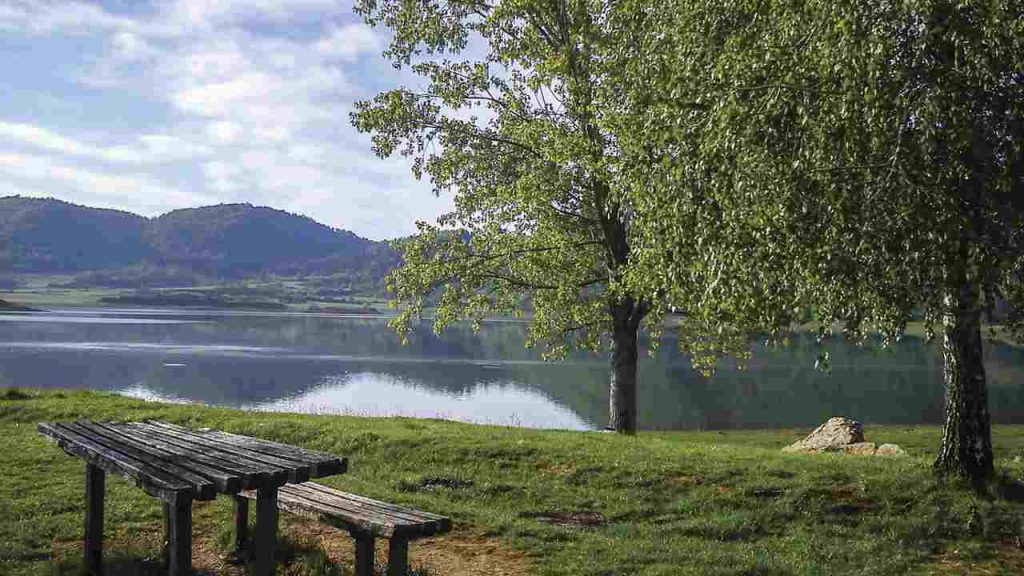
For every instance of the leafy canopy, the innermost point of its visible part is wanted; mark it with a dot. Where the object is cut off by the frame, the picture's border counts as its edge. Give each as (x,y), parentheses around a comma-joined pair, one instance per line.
(852,160)
(509,118)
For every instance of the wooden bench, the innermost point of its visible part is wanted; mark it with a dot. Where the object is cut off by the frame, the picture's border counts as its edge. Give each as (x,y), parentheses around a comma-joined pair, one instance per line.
(363,518)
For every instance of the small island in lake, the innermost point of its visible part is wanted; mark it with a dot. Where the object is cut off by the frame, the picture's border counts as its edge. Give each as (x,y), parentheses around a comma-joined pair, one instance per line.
(6,306)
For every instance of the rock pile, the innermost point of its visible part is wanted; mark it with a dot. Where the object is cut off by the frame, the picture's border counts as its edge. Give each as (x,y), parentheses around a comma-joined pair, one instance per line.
(842,435)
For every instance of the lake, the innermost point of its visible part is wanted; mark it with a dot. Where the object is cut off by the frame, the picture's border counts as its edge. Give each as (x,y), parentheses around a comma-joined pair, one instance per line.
(355,365)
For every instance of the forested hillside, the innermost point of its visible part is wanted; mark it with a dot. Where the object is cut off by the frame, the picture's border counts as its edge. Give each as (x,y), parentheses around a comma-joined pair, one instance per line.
(50,236)
(228,241)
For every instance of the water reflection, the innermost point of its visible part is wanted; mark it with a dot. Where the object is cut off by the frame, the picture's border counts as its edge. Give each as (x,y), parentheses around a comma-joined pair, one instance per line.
(320,363)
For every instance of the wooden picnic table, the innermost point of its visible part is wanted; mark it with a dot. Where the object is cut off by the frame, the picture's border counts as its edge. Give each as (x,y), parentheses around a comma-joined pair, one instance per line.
(180,465)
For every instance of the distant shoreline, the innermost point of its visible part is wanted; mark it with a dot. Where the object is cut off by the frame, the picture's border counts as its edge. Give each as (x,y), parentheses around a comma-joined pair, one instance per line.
(6,306)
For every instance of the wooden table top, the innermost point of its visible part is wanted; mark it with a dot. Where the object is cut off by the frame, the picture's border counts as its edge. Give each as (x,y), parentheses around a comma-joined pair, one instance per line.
(178,464)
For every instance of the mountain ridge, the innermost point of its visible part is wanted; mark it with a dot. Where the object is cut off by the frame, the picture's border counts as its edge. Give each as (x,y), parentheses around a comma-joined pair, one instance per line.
(229,241)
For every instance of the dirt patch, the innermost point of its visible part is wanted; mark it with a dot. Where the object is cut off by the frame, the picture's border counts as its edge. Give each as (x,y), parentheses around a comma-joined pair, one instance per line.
(141,555)
(1009,559)
(575,518)
(457,554)
(558,469)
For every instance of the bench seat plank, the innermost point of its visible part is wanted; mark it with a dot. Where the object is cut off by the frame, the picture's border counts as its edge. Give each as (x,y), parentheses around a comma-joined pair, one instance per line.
(408,515)
(357,514)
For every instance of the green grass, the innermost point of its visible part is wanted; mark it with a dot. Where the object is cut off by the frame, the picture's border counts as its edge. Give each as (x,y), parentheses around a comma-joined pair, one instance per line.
(671,502)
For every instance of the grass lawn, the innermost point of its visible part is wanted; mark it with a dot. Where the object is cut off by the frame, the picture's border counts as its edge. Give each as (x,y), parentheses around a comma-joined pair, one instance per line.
(564,503)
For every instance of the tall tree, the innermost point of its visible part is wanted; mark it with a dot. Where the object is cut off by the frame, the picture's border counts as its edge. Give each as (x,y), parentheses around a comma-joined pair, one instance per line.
(864,162)
(507,115)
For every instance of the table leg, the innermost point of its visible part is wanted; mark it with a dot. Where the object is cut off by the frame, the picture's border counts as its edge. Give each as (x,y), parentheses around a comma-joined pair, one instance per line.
(179,538)
(398,557)
(241,526)
(265,541)
(95,484)
(364,556)
(166,558)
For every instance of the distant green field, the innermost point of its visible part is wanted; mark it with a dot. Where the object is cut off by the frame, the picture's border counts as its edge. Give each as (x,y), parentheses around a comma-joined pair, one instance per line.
(288,294)
(664,503)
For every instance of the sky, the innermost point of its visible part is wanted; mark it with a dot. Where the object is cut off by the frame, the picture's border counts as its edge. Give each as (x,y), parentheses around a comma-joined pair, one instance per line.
(154,106)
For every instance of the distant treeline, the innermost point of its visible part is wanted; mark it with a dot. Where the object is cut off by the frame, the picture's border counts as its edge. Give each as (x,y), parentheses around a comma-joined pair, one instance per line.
(190,299)
(184,247)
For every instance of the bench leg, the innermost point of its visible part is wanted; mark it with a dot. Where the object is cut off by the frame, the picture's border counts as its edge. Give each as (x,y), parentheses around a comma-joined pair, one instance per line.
(95,485)
(364,555)
(398,557)
(241,526)
(265,541)
(179,538)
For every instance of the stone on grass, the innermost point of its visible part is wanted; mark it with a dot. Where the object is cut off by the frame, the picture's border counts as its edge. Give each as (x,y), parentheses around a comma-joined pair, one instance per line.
(843,435)
(831,436)
(890,450)
(860,449)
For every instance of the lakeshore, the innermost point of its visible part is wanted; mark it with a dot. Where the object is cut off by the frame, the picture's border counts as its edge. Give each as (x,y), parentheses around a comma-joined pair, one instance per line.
(547,502)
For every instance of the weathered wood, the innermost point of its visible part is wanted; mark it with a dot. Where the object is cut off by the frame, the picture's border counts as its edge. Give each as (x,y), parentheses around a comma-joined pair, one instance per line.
(204,488)
(398,557)
(251,475)
(357,514)
(265,542)
(153,480)
(179,465)
(206,437)
(225,480)
(241,525)
(355,521)
(408,514)
(166,555)
(179,538)
(321,463)
(364,556)
(293,472)
(95,488)
(270,474)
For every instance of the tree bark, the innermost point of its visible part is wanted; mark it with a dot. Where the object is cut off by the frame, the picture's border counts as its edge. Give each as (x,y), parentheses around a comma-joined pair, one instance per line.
(626,316)
(966,449)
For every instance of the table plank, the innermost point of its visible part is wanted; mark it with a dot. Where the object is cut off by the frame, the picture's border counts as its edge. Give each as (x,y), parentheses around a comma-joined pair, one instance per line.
(207,480)
(296,472)
(322,463)
(230,479)
(152,480)
(263,474)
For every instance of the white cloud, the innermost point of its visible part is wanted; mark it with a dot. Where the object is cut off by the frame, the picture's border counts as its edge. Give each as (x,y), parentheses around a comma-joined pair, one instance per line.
(257,95)
(146,149)
(206,13)
(129,46)
(134,192)
(48,17)
(349,42)
(223,131)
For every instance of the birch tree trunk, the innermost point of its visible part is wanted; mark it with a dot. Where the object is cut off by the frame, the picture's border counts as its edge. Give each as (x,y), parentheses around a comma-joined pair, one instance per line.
(966,449)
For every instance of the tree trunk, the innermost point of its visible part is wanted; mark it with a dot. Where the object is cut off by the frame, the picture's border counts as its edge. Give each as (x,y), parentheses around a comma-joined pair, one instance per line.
(966,436)
(623,385)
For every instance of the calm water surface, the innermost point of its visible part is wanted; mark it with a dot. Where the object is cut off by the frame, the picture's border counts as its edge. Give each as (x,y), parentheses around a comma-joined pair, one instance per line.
(355,365)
